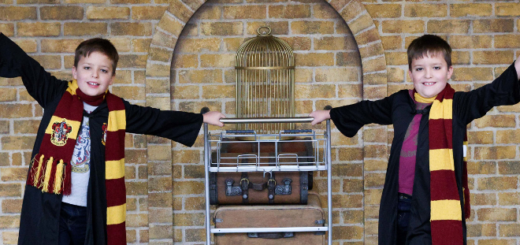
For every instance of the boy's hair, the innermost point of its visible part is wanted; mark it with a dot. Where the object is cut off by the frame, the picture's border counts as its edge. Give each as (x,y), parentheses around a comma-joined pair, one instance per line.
(101,45)
(431,44)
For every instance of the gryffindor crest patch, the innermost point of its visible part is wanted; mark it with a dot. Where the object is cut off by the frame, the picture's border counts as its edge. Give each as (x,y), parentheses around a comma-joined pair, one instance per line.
(60,133)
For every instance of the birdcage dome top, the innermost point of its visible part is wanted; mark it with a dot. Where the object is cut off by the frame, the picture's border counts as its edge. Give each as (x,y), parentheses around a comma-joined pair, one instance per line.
(264,51)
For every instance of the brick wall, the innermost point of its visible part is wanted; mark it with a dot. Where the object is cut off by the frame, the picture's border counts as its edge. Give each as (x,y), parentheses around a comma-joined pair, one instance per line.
(329,72)
(179,55)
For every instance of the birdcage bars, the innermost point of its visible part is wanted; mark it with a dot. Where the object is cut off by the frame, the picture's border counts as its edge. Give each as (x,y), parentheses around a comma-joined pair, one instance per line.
(264,81)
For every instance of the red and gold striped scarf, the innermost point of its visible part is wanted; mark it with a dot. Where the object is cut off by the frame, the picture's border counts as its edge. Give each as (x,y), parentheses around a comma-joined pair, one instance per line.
(51,169)
(446,213)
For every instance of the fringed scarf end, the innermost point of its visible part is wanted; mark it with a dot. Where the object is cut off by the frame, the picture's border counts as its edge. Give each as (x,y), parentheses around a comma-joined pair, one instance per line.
(58,182)
(67,188)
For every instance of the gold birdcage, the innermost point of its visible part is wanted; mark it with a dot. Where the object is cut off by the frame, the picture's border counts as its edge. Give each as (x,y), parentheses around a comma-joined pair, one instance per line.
(264,81)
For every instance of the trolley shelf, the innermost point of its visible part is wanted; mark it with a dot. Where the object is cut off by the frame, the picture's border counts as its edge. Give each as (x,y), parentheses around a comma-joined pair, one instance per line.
(216,160)
(256,160)
(269,229)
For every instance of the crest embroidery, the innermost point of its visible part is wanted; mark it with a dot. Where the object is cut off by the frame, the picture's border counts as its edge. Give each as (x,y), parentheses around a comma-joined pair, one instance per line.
(60,133)
(104,138)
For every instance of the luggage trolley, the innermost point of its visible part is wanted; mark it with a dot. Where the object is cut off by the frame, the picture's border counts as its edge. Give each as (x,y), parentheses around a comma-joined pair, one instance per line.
(319,162)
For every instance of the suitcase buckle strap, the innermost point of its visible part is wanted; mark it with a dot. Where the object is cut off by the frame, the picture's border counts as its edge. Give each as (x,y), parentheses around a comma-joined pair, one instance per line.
(271,186)
(232,190)
(285,189)
(244,183)
(271,183)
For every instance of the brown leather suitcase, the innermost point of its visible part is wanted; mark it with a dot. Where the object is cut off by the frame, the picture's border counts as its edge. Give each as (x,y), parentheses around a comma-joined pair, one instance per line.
(255,188)
(259,187)
(240,216)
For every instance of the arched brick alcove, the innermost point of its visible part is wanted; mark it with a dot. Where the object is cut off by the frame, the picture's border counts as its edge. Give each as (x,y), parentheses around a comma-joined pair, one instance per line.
(162,219)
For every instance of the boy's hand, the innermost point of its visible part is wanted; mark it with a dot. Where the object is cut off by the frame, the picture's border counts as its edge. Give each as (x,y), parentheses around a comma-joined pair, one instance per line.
(213,118)
(319,116)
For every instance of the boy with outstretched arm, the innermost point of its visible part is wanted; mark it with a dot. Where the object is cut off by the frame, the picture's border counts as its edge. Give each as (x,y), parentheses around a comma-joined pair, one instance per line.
(75,190)
(425,198)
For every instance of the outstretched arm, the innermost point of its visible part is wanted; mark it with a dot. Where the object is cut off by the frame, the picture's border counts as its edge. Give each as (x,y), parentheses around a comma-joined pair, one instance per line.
(14,62)
(504,90)
(350,118)
(182,127)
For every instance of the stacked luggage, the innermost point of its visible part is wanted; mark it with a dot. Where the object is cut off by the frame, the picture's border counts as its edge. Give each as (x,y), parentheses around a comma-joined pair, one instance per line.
(265,199)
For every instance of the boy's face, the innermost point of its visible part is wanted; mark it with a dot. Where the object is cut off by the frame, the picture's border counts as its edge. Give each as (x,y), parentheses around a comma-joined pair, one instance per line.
(430,74)
(94,73)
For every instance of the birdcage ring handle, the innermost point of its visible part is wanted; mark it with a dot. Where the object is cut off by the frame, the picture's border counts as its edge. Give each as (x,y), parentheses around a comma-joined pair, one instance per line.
(266,32)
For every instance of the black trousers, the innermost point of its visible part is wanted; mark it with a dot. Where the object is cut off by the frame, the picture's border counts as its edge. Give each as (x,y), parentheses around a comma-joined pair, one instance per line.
(73,224)
(403,217)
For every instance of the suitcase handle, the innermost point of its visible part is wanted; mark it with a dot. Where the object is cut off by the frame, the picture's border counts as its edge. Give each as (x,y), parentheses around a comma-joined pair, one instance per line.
(271,235)
(245,184)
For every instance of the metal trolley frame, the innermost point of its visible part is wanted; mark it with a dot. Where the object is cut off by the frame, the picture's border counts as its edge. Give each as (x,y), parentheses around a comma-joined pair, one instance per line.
(314,166)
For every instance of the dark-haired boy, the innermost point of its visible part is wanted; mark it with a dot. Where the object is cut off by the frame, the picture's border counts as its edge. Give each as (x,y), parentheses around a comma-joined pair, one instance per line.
(75,190)
(425,198)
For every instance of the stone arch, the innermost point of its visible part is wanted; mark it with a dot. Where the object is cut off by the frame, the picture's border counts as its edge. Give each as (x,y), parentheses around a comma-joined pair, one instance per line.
(158,66)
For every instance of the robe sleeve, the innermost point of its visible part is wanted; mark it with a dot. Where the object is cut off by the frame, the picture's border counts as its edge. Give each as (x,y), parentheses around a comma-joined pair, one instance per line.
(182,127)
(349,119)
(14,62)
(504,90)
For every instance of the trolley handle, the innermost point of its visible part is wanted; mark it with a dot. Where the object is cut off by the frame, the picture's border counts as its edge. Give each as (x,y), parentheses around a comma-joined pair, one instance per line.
(268,120)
